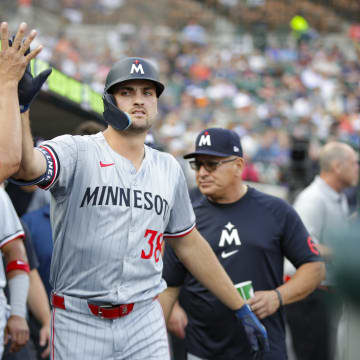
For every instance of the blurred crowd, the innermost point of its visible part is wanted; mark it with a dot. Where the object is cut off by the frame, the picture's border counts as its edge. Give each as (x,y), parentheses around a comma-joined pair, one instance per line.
(272,88)
(284,92)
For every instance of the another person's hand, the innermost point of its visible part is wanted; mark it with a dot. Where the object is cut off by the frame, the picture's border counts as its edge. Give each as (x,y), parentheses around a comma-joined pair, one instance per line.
(264,303)
(12,60)
(44,340)
(255,331)
(178,321)
(17,331)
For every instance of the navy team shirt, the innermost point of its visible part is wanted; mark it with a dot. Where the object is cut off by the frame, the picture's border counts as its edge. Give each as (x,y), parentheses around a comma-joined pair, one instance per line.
(250,237)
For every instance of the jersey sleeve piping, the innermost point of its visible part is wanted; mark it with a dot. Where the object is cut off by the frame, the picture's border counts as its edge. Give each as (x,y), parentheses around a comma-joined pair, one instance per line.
(17,235)
(56,166)
(50,175)
(181,233)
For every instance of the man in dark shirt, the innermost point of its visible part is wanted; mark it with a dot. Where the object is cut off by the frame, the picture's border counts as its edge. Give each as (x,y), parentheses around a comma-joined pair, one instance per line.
(251,233)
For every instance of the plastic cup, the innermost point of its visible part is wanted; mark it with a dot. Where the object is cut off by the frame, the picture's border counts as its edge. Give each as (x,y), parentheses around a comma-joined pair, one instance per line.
(245,289)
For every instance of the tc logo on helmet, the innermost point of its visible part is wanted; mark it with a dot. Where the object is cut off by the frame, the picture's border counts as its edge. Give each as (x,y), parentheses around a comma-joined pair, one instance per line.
(137,68)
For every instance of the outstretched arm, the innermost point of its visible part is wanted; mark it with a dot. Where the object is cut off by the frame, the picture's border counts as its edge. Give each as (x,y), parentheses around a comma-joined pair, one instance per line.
(197,256)
(10,135)
(33,162)
(13,63)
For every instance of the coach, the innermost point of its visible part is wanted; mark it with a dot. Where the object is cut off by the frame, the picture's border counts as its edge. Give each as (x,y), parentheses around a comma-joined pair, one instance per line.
(251,233)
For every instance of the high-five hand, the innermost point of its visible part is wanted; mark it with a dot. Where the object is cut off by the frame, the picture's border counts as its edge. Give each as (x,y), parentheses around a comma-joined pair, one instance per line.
(12,60)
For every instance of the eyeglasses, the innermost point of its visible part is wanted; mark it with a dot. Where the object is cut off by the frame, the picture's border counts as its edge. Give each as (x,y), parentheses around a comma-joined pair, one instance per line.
(210,165)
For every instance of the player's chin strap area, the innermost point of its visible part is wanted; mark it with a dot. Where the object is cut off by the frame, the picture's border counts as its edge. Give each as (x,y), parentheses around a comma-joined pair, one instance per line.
(118,119)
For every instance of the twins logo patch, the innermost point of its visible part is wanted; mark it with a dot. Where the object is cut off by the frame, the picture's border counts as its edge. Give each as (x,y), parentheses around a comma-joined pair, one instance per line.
(229,236)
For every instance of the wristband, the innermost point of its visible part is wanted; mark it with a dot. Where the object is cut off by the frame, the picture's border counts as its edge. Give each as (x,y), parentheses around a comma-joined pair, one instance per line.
(279,297)
(18,288)
(17,265)
(45,179)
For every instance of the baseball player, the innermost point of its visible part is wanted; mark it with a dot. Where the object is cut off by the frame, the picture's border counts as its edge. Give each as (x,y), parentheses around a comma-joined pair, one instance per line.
(250,233)
(11,232)
(12,328)
(10,131)
(113,201)
(38,304)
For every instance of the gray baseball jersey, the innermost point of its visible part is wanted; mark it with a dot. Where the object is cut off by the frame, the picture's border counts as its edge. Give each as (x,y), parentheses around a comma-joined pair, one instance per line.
(10,227)
(109,220)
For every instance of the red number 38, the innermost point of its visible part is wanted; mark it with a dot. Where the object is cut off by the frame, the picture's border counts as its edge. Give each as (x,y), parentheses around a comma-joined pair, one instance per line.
(155,243)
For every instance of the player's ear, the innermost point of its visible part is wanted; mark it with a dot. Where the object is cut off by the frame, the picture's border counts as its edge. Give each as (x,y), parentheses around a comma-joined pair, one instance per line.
(240,164)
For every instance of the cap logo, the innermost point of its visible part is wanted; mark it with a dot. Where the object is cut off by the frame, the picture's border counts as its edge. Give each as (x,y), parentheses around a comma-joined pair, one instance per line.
(137,68)
(205,140)
(236,149)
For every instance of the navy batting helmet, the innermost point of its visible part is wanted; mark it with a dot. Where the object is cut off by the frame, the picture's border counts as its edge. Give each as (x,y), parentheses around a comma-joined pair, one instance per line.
(132,68)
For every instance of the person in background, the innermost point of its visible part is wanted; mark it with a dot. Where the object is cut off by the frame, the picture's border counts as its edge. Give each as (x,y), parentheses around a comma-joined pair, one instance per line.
(38,304)
(324,209)
(250,233)
(13,328)
(10,134)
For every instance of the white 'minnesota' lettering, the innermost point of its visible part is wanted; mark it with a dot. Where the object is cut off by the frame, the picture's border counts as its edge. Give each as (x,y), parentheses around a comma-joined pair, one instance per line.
(107,211)
(205,140)
(124,197)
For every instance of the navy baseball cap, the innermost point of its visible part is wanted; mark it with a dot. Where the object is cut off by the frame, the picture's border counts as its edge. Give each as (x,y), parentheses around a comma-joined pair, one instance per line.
(217,142)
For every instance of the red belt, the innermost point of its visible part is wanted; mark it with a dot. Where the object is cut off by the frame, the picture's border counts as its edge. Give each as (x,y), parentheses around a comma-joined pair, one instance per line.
(102,311)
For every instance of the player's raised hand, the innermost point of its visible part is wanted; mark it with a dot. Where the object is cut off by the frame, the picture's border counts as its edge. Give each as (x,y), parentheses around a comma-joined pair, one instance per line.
(30,86)
(255,331)
(13,60)
(264,303)
(17,331)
